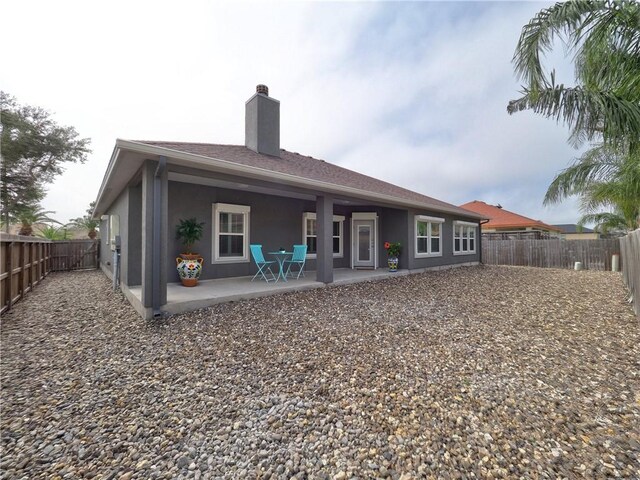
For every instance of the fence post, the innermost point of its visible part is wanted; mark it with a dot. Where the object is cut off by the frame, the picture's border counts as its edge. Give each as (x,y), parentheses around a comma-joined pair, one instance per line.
(9,266)
(21,262)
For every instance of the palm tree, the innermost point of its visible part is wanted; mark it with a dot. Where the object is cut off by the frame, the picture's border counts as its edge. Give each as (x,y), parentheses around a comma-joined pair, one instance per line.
(605,39)
(606,179)
(87,222)
(54,233)
(606,222)
(27,216)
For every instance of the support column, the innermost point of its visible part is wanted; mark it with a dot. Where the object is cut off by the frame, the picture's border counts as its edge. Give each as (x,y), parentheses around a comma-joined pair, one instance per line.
(154,233)
(148,169)
(324,224)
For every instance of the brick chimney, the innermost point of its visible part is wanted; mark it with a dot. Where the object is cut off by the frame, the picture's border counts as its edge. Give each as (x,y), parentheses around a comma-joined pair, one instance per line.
(262,123)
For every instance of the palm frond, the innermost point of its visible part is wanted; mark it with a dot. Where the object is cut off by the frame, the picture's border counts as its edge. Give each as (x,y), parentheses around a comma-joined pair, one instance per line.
(605,39)
(596,164)
(605,222)
(593,112)
(538,35)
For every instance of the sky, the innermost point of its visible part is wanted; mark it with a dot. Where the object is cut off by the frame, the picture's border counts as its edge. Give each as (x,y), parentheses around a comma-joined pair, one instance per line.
(414,93)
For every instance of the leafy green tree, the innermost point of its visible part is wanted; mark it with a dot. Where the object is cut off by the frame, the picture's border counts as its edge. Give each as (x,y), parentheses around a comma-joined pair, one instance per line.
(605,40)
(34,150)
(87,222)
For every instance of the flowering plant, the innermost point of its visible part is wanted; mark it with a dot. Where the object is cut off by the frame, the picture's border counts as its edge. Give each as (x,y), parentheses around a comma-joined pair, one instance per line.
(393,248)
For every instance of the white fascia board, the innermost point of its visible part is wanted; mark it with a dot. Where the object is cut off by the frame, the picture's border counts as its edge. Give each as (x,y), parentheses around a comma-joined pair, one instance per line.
(200,161)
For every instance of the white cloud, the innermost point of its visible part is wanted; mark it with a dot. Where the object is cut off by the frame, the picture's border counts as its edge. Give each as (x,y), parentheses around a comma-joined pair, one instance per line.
(414,93)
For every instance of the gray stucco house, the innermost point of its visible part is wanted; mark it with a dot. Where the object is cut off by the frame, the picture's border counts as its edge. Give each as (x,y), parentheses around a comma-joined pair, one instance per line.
(276,198)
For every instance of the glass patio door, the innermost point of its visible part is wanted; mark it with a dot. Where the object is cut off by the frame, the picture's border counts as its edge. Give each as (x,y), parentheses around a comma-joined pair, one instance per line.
(364,244)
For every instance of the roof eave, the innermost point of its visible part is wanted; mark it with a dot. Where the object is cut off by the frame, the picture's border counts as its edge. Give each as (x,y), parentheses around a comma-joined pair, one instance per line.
(264,174)
(532,225)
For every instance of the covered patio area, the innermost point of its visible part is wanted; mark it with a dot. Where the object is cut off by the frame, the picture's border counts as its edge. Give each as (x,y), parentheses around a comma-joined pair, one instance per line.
(209,292)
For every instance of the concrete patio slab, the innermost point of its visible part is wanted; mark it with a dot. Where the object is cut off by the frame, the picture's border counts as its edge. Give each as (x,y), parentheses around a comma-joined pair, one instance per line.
(210,292)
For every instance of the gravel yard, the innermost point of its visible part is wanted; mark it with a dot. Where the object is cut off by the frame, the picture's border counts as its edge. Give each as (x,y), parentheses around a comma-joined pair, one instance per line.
(480,372)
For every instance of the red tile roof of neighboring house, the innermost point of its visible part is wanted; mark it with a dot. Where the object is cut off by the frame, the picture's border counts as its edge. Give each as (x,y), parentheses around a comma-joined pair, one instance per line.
(500,218)
(302,166)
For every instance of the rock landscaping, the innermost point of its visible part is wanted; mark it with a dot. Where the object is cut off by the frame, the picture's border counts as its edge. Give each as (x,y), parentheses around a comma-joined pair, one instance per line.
(479,372)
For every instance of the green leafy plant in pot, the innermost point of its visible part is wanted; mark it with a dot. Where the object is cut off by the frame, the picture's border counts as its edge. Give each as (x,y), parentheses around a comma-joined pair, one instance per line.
(189,264)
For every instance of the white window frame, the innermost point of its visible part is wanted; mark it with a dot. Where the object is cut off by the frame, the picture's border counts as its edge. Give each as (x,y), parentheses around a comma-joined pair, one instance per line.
(336,218)
(429,220)
(114,230)
(461,228)
(217,209)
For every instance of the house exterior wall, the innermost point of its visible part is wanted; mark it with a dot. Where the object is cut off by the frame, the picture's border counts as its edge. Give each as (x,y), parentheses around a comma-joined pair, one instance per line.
(133,245)
(581,236)
(119,207)
(447,257)
(128,206)
(277,222)
(274,222)
(393,228)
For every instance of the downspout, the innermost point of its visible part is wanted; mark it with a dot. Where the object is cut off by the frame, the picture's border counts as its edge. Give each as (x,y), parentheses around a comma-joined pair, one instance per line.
(155,239)
(482,222)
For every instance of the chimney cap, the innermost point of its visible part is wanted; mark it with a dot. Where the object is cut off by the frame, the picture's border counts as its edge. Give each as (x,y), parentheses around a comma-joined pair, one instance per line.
(262,89)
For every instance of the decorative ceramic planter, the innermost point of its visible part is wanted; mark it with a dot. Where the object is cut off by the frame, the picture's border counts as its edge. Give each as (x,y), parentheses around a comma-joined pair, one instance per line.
(189,268)
(393,264)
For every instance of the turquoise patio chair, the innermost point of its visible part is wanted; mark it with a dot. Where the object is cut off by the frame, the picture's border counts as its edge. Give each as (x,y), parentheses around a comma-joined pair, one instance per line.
(299,258)
(263,265)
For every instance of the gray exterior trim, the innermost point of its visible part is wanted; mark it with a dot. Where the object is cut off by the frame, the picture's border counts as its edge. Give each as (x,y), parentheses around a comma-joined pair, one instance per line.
(148,172)
(159,248)
(324,223)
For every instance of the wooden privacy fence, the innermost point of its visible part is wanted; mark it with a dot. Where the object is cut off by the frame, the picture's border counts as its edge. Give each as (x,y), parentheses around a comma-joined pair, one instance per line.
(69,255)
(554,253)
(27,260)
(630,250)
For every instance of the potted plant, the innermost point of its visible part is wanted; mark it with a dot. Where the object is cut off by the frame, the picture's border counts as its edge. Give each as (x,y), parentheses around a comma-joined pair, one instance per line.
(189,264)
(393,251)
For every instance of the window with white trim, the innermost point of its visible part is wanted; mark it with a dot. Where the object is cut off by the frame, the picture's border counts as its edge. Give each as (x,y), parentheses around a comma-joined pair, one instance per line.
(230,233)
(310,234)
(114,230)
(428,236)
(464,238)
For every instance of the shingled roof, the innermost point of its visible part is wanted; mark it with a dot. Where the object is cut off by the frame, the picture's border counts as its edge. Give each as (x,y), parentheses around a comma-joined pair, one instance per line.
(573,228)
(305,167)
(501,218)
